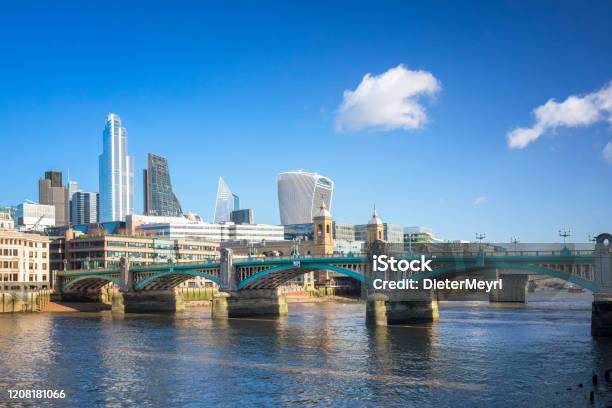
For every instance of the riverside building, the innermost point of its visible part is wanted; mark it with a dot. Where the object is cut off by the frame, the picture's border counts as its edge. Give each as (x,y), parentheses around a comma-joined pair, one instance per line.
(82,251)
(183,227)
(24,260)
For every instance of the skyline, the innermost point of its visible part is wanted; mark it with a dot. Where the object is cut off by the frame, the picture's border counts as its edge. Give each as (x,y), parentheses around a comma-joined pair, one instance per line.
(214,107)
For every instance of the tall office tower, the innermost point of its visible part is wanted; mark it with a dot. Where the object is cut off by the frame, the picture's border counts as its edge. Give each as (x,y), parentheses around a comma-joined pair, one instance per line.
(73,187)
(116,176)
(51,192)
(85,208)
(158,196)
(236,201)
(225,203)
(300,195)
(55,177)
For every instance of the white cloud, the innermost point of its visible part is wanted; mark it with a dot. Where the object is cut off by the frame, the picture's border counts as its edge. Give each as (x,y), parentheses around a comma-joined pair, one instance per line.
(387,101)
(575,111)
(607,152)
(481,200)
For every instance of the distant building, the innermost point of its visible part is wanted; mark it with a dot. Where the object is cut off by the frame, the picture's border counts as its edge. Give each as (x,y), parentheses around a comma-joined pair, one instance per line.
(6,221)
(393,233)
(183,227)
(304,232)
(420,235)
(344,232)
(300,195)
(85,208)
(11,211)
(236,201)
(24,260)
(116,173)
(225,202)
(52,192)
(158,197)
(243,216)
(35,217)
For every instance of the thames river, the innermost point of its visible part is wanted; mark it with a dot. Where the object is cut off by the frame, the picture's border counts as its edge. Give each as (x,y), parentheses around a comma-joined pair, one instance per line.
(477,355)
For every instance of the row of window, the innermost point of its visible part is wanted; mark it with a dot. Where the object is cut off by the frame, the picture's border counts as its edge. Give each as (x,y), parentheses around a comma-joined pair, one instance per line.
(15,252)
(14,277)
(22,242)
(156,245)
(15,265)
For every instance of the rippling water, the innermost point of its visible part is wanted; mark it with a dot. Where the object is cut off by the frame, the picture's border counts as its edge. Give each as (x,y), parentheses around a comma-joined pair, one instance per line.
(476,355)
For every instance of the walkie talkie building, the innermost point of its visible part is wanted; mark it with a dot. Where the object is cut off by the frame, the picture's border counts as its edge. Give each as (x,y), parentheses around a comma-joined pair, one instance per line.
(300,195)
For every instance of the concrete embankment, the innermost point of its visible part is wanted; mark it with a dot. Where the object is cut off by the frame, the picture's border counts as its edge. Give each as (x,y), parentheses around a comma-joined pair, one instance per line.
(31,301)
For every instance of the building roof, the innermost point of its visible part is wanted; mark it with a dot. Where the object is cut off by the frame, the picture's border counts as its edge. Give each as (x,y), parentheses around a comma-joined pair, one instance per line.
(323,211)
(375,220)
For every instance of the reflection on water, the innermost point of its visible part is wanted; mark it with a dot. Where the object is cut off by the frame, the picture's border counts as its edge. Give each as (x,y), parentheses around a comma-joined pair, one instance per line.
(477,355)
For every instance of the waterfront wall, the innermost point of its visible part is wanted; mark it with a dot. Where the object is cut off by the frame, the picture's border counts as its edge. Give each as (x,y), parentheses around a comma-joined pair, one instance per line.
(30,301)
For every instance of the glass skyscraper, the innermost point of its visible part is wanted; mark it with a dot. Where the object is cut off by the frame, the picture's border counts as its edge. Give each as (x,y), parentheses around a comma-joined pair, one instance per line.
(300,195)
(84,208)
(226,202)
(116,175)
(158,196)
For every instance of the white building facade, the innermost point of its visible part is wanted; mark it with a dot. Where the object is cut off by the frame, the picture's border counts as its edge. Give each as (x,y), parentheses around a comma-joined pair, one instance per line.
(300,195)
(182,227)
(35,217)
(24,260)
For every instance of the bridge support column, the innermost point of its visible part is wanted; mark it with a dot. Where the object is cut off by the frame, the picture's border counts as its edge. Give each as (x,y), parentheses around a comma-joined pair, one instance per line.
(513,289)
(393,308)
(250,303)
(601,312)
(220,305)
(148,301)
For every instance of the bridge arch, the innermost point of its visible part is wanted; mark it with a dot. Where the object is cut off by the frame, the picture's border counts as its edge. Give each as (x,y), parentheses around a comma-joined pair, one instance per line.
(181,274)
(290,271)
(531,269)
(89,282)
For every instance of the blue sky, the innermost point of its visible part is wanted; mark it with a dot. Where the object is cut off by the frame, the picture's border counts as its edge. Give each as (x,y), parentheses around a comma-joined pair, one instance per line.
(250,90)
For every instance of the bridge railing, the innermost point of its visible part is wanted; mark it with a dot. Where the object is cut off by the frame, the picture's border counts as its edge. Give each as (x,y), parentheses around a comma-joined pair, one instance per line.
(508,253)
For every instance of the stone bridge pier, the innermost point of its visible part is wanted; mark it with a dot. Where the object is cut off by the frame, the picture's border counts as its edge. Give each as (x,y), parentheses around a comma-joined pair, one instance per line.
(130,300)
(514,286)
(394,307)
(231,302)
(601,314)
(249,303)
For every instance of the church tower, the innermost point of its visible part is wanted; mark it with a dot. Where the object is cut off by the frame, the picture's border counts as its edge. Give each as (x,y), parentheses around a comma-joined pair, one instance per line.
(323,232)
(375,228)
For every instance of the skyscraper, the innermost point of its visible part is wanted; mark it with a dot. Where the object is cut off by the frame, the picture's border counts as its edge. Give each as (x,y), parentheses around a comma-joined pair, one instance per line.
(300,195)
(84,208)
(158,196)
(51,192)
(116,175)
(225,203)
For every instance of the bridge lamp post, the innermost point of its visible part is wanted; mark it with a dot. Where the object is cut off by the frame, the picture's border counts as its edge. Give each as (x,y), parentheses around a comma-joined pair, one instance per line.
(564,233)
(480,236)
(515,241)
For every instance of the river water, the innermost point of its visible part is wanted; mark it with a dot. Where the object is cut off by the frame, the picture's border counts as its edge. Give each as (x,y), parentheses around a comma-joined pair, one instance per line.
(477,355)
